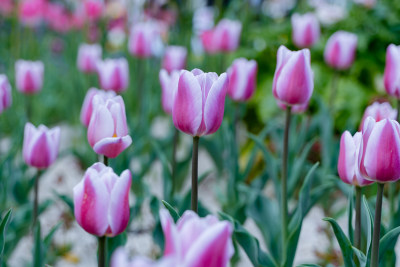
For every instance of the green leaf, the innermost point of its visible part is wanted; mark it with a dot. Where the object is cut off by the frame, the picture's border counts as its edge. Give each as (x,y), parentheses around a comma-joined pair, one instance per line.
(3,228)
(365,211)
(388,241)
(174,213)
(344,243)
(362,259)
(49,236)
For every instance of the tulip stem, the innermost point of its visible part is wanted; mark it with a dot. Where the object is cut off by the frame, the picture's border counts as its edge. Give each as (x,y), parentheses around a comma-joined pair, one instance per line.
(357,232)
(377,226)
(102,251)
(35,198)
(334,89)
(173,172)
(284,201)
(105,160)
(195,161)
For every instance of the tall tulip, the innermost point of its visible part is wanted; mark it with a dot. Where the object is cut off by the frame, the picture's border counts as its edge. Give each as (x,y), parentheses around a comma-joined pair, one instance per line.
(29,76)
(169,85)
(242,79)
(144,39)
(174,58)
(113,74)
(379,111)
(5,93)
(305,30)
(87,107)
(107,130)
(88,56)
(340,50)
(392,71)
(198,110)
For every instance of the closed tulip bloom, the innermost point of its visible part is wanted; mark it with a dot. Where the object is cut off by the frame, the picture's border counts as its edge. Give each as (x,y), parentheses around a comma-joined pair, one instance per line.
(113,74)
(87,107)
(340,50)
(143,39)
(107,131)
(242,79)
(379,111)
(40,147)
(305,30)
(169,85)
(198,107)
(224,37)
(5,93)
(88,56)
(348,167)
(101,201)
(392,71)
(293,82)
(174,58)
(29,76)
(379,158)
(197,242)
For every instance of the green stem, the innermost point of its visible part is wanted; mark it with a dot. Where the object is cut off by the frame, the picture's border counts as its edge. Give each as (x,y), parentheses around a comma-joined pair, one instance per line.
(105,160)
(195,163)
(357,232)
(334,89)
(284,200)
(35,198)
(377,226)
(102,251)
(174,148)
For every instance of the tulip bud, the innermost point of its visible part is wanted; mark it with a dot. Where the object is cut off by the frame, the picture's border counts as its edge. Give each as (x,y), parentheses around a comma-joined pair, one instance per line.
(101,201)
(169,85)
(392,71)
(87,107)
(379,111)
(348,167)
(29,76)
(242,79)
(340,50)
(379,158)
(224,37)
(174,58)
(113,74)
(144,39)
(305,30)
(198,107)
(293,82)
(40,147)
(107,131)
(88,56)
(5,93)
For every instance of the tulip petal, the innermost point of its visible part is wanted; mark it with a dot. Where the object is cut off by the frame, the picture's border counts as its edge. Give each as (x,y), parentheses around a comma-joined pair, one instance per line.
(392,68)
(347,158)
(171,237)
(112,146)
(101,125)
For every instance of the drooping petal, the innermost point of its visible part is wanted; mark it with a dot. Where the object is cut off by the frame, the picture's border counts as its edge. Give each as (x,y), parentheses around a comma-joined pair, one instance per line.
(112,146)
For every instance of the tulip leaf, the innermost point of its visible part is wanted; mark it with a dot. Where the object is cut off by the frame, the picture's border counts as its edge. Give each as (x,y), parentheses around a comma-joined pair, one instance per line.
(388,241)
(3,228)
(344,242)
(362,259)
(49,236)
(365,211)
(174,213)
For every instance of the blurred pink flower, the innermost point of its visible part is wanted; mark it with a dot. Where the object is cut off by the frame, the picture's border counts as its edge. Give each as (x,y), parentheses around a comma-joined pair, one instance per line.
(392,71)
(113,74)
(6,7)
(169,85)
(174,58)
(5,93)
(101,201)
(379,111)
(87,107)
(242,79)
(31,12)
(340,50)
(58,17)
(224,37)
(29,76)
(144,39)
(88,56)
(93,9)
(305,30)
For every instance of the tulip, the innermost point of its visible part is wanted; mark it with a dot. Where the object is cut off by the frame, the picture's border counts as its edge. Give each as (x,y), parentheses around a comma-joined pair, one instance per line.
(6,7)
(101,201)
(88,56)
(242,79)
(107,130)
(31,12)
(40,147)
(293,80)
(305,30)
(87,107)
(392,71)
(199,102)
(58,17)
(224,37)
(29,76)
(93,9)
(144,39)
(340,50)
(113,74)
(5,93)
(174,58)
(379,111)
(169,85)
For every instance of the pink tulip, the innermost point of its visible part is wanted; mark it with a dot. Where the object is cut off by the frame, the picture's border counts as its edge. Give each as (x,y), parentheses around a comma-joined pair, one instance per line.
(93,9)
(224,37)
(169,85)
(242,79)
(340,50)
(6,7)
(40,148)
(197,242)
(87,107)
(198,107)
(379,111)
(58,17)
(101,201)
(174,58)
(305,30)
(88,56)
(143,39)
(29,76)
(5,93)
(107,131)
(392,71)
(31,12)
(113,74)
(379,158)
(348,167)
(293,82)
